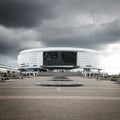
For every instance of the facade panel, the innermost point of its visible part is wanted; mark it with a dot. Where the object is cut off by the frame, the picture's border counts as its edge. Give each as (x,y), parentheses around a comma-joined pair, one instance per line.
(88,59)
(30,59)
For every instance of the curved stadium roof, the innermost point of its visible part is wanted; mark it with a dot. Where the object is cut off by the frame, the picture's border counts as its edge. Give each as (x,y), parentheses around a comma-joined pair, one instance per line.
(58,49)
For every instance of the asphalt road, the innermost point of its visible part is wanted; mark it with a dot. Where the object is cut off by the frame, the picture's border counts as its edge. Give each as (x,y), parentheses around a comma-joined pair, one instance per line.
(22,99)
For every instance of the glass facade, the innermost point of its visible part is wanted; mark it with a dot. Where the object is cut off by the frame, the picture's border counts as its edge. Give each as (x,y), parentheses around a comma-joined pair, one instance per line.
(60,58)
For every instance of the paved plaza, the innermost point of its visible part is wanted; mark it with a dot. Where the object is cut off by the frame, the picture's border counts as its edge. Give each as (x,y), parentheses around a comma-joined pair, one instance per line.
(22,99)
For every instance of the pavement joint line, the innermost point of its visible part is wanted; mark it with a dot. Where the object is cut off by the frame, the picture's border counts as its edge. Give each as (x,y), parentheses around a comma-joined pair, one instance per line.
(56,87)
(61,97)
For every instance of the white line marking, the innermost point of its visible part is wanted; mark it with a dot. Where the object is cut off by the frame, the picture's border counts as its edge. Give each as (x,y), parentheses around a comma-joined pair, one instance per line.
(60,97)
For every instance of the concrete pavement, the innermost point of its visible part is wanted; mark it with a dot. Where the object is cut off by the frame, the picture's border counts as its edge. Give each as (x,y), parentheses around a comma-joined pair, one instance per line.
(96,100)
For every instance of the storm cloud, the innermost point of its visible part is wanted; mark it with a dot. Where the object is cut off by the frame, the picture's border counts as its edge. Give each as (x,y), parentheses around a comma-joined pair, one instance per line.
(50,23)
(88,36)
(12,41)
(23,13)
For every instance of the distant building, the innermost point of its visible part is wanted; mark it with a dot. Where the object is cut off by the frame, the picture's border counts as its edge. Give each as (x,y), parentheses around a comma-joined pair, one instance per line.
(64,58)
(8,72)
(7,69)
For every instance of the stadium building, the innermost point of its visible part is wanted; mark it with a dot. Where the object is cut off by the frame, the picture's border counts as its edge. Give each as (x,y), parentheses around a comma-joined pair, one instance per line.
(59,58)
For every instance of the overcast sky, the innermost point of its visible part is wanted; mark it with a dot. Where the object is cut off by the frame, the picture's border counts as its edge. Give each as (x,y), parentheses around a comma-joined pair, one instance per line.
(93,24)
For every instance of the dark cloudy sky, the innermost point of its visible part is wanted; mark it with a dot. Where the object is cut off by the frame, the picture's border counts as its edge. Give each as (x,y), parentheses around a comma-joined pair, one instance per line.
(27,24)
